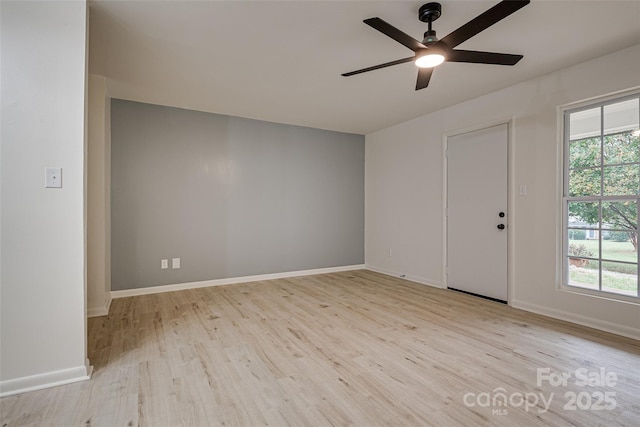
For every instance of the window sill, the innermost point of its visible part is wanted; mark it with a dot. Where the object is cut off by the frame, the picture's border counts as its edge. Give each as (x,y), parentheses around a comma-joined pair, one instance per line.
(610,296)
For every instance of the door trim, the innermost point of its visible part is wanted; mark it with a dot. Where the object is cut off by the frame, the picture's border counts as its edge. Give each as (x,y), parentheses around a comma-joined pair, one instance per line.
(511,219)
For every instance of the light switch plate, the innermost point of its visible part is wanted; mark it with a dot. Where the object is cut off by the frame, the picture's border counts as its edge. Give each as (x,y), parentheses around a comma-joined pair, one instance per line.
(164,264)
(53,178)
(175,262)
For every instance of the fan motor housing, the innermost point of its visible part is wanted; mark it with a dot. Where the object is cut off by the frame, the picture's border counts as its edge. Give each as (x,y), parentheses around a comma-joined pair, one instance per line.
(429,12)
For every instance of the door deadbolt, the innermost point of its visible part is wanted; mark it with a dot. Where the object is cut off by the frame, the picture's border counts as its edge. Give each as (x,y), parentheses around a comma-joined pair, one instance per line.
(501,214)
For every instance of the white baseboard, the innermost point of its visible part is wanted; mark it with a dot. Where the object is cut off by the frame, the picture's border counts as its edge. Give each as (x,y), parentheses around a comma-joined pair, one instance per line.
(411,278)
(100,311)
(230,281)
(614,328)
(46,380)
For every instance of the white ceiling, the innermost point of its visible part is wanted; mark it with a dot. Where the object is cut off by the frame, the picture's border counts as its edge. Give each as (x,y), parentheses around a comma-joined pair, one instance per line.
(281,61)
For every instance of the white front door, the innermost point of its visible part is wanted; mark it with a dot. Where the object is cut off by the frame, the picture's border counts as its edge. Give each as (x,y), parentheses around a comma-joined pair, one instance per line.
(477,212)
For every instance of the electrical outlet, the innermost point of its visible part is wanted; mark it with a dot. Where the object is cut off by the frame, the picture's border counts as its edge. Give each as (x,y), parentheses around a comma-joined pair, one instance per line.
(175,263)
(164,264)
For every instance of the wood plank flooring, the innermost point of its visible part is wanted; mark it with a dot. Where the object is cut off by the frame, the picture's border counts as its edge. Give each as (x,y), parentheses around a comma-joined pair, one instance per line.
(344,349)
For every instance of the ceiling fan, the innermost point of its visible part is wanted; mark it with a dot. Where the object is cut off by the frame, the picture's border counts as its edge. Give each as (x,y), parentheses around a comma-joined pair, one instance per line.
(431,52)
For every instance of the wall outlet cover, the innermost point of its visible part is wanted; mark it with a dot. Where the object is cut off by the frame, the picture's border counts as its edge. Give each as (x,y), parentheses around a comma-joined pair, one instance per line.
(53,178)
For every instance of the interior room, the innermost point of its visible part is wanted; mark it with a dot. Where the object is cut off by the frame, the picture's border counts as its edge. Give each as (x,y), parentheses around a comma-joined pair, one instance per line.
(319,213)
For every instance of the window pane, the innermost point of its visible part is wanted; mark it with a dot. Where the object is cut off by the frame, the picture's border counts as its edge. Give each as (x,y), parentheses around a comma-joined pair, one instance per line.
(621,180)
(577,235)
(587,248)
(620,278)
(619,250)
(620,215)
(584,153)
(584,215)
(584,124)
(584,276)
(620,148)
(621,116)
(584,182)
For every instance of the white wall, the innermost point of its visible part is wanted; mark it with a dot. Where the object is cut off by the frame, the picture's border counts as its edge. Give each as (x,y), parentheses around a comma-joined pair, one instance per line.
(403,189)
(98,199)
(43,337)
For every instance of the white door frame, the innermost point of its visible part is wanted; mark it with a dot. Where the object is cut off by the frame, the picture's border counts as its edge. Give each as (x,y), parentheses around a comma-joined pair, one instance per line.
(511,217)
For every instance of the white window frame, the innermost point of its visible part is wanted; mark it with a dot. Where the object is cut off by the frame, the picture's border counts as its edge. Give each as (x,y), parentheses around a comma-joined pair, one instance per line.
(564,139)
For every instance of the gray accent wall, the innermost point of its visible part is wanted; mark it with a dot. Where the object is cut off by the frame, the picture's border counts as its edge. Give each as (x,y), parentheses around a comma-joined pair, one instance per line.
(230,197)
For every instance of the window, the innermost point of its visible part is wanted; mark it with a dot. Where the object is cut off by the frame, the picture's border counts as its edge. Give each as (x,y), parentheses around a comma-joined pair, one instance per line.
(601,195)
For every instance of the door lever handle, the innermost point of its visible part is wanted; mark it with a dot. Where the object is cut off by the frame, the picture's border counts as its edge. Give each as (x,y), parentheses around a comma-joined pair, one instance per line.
(500,226)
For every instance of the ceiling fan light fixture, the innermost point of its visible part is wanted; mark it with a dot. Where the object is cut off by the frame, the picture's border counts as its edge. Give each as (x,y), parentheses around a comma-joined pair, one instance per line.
(431,52)
(430,60)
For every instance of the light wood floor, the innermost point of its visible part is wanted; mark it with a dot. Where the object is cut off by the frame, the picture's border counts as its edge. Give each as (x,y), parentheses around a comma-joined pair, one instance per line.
(344,349)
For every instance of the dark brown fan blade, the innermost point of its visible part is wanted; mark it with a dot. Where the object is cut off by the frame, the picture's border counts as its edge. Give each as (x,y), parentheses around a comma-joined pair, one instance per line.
(483,57)
(376,67)
(391,31)
(483,21)
(424,75)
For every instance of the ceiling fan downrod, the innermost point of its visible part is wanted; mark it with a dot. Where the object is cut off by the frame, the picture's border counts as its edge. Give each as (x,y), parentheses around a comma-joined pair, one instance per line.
(428,13)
